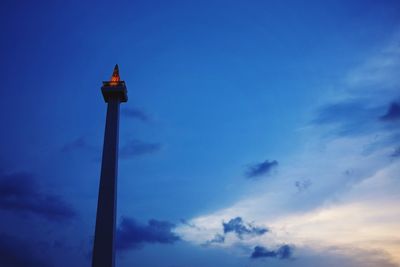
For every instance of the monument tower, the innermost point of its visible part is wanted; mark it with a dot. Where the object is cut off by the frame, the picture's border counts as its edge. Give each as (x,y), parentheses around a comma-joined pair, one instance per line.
(114,92)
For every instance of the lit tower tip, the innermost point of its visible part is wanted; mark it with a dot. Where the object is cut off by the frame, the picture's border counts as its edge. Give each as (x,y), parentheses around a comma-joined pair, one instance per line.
(115,88)
(115,76)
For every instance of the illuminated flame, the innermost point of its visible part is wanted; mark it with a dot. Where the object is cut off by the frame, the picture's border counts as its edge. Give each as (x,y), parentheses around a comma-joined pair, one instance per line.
(115,79)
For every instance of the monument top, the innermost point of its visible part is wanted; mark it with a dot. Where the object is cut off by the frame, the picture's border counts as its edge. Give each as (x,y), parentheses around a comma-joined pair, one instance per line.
(115,88)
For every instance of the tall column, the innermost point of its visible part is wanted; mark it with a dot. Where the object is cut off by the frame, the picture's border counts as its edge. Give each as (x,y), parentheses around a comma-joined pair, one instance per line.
(104,241)
(114,92)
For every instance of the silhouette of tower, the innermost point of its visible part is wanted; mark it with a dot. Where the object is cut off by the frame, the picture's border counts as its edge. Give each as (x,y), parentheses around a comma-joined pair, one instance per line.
(114,92)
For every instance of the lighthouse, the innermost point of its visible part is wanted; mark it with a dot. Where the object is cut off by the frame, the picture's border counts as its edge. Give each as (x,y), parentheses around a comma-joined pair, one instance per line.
(114,93)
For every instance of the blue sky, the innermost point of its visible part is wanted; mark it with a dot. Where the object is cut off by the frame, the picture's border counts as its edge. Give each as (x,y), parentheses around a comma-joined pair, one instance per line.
(256,133)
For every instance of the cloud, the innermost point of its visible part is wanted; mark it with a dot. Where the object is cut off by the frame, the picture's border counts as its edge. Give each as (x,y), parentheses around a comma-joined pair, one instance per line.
(393,112)
(348,117)
(396,153)
(19,192)
(303,185)
(187,223)
(132,235)
(79,143)
(341,112)
(283,252)
(237,226)
(342,256)
(217,239)
(135,113)
(346,135)
(261,252)
(261,169)
(131,149)
(136,148)
(17,253)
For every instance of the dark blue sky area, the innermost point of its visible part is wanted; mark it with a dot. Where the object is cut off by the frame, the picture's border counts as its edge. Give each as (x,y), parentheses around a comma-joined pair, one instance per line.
(218,90)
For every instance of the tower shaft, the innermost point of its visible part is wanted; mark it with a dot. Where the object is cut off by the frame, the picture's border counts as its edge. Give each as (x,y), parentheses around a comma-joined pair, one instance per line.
(104,241)
(114,92)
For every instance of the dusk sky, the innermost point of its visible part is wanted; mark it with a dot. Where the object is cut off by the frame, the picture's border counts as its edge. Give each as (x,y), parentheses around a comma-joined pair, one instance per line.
(257,133)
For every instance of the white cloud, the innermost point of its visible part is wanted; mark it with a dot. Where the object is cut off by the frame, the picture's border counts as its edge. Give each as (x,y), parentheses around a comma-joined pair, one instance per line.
(353,204)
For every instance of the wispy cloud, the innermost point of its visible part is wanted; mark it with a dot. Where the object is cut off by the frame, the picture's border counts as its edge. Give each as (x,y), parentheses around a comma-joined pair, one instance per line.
(348,117)
(302,185)
(79,144)
(396,153)
(130,149)
(261,169)
(360,138)
(133,235)
(283,252)
(20,193)
(16,253)
(136,148)
(136,113)
(393,112)
(240,228)
(217,239)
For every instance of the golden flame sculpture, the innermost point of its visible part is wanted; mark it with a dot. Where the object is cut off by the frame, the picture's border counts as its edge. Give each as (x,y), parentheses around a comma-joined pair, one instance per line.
(115,79)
